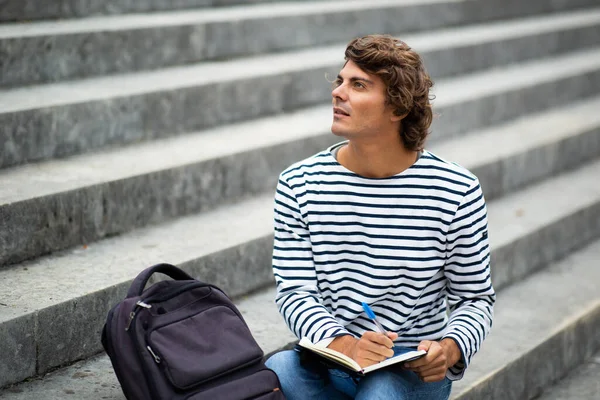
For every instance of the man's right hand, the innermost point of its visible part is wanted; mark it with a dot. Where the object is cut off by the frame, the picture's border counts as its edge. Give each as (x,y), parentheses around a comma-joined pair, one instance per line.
(371,348)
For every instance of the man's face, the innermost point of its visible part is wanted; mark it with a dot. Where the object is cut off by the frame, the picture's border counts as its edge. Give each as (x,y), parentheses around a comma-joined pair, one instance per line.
(359,106)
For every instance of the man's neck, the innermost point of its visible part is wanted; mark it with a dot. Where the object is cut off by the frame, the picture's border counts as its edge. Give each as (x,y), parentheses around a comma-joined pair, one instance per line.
(376,159)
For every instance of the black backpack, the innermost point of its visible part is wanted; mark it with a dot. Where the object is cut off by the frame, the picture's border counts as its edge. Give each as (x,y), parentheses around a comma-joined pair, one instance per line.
(184,339)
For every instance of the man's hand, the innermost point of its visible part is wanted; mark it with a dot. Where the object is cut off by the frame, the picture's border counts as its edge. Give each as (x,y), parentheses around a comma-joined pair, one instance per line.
(440,356)
(371,348)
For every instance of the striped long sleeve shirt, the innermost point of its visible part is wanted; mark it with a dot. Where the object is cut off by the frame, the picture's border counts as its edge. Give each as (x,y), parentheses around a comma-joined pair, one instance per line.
(412,246)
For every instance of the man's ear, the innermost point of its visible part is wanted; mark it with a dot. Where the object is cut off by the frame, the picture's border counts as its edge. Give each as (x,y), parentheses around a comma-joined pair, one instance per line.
(395,117)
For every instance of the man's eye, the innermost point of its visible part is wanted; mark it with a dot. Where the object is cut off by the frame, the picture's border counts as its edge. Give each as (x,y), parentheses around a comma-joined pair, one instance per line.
(337,82)
(358,85)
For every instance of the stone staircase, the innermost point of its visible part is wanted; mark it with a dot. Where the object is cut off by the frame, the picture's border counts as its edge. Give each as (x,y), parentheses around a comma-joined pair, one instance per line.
(132,139)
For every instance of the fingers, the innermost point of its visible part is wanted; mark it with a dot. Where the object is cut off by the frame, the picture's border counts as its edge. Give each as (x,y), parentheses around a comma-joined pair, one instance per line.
(433,366)
(380,338)
(433,375)
(374,347)
(434,351)
(377,344)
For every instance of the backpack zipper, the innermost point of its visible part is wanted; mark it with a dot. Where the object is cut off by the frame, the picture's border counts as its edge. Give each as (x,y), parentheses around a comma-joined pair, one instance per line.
(132,322)
(156,358)
(132,313)
(164,296)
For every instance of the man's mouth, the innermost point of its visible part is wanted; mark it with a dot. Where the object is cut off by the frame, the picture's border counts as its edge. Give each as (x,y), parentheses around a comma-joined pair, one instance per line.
(340,112)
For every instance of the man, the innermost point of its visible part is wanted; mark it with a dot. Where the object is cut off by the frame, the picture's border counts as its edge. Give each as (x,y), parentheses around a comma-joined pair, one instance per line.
(378,219)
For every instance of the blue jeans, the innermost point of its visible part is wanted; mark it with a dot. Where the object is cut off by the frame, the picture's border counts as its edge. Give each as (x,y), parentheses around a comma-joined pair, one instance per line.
(299,383)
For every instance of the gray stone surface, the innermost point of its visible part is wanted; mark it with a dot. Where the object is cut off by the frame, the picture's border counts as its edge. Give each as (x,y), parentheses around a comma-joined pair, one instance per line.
(524,225)
(11,10)
(509,156)
(89,197)
(231,247)
(522,89)
(74,290)
(25,10)
(543,327)
(581,383)
(153,41)
(94,378)
(90,114)
(43,52)
(18,348)
(78,201)
(84,199)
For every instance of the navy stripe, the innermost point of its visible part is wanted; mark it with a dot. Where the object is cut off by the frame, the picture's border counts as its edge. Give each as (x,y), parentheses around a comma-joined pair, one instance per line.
(305,320)
(365,244)
(472,213)
(377,296)
(368,275)
(381,186)
(376,226)
(375,236)
(287,196)
(384,267)
(376,256)
(374,216)
(382,195)
(382,287)
(373,246)
(304,236)
(371,205)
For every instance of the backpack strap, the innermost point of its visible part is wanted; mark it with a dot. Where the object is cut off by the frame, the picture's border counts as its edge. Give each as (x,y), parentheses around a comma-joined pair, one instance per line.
(139,283)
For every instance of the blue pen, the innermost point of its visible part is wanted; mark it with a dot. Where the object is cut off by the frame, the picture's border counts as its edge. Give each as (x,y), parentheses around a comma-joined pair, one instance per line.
(371,315)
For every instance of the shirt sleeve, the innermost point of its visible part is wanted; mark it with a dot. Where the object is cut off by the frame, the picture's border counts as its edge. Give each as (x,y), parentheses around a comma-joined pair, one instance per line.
(298,298)
(471,296)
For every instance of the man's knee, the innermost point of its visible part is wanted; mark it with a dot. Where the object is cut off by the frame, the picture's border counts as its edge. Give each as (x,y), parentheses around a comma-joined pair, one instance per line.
(383,385)
(401,384)
(285,364)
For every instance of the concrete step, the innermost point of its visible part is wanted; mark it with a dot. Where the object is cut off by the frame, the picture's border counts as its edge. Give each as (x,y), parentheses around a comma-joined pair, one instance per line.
(43,52)
(581,383)
(97,112)
(60,321)
(95,379)
(528,348)
(27,10)
(82,199)
(544,327)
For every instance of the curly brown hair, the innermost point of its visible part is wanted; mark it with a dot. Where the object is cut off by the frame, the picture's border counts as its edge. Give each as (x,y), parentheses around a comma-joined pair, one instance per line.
(408,84)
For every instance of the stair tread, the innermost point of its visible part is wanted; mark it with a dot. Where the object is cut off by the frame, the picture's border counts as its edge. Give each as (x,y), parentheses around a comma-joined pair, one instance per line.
(448,90)
(86,269)
(468,34)
(582,383)
(233,13)
(554,297)
(58,176)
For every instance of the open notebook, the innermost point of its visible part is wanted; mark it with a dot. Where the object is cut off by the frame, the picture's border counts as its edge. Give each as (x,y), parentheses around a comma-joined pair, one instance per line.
(349,363)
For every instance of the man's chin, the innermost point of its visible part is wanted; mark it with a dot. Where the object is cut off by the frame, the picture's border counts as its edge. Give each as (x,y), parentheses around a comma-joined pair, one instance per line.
(337,131)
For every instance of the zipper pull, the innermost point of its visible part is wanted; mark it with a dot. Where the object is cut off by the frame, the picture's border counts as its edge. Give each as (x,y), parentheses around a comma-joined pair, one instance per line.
(142,304)
(131,317)
(132,313)
(156,358)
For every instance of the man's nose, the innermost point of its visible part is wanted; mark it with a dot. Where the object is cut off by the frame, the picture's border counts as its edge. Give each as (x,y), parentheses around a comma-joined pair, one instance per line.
(339,92)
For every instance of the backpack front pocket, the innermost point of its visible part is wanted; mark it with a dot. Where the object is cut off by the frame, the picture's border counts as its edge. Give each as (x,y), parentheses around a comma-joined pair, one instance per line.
(261,385)
(204,346)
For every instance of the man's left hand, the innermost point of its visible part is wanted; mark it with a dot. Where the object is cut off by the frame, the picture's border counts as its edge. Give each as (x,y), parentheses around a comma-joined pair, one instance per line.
(440,356)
